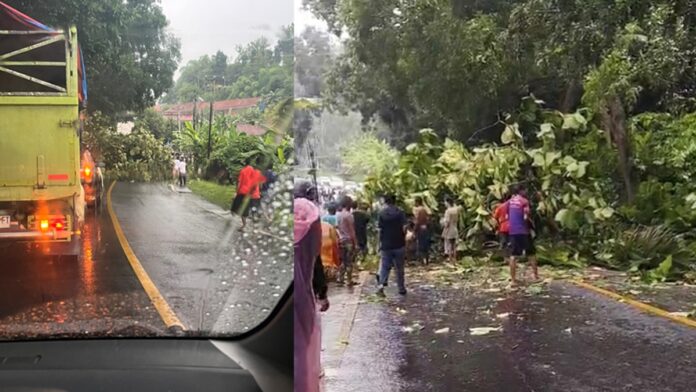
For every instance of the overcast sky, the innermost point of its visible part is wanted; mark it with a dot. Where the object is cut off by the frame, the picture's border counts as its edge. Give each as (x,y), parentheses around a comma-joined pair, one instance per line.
(304,19)
(204,26)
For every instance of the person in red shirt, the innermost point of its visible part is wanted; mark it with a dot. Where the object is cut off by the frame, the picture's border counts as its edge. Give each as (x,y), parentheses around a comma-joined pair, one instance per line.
(248,196)
(255,204)
(501,217)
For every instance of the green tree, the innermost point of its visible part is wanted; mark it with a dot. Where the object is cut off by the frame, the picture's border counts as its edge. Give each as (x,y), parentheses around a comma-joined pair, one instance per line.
(159,126)
(129,58)
(313,58)
(219,67)
(258,70)
(369,155)
(457,68)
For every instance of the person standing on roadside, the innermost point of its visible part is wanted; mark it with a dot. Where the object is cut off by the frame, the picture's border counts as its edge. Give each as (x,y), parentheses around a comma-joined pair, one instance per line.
(175,170)
(501,217)
(521,241)
(259,181)
(450,230)
(247,188)
(422,219)
(362,219)
(347,240)
(182,173)
(307,294)
(392,234)
(330,217)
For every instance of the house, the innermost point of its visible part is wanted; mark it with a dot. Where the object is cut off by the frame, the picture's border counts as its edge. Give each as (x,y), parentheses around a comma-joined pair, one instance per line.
(184,111)
(252,130)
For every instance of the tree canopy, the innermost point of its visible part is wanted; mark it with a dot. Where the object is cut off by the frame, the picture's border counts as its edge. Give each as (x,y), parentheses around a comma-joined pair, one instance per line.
(456,66)
(313,58)
(257,69)
(129,58)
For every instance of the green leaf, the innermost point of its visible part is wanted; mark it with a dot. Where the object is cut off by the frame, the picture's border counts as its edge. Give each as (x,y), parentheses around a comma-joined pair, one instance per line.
(546,184)
(607,212)
(546,130)
(662,271)
(508,135)
(482,212)
(566,218)
(551,157)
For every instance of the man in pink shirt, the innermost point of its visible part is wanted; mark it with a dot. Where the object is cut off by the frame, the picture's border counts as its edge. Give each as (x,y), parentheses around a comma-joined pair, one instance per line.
(521,241)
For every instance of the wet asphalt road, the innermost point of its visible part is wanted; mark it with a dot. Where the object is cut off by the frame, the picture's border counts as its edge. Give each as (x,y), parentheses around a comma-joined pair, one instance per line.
(217,281)
(565,339)
(214,278)
(98,295)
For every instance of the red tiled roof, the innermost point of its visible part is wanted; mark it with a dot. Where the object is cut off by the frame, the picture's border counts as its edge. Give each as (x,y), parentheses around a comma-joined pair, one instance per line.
(253,130)
(230,105)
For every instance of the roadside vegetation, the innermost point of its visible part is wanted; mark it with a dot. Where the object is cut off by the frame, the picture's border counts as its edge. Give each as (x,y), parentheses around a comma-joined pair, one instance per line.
(590,105)
(220,195)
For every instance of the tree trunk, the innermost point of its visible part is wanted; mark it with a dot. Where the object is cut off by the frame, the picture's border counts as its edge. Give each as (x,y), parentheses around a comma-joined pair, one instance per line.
(614,120)
(571,97)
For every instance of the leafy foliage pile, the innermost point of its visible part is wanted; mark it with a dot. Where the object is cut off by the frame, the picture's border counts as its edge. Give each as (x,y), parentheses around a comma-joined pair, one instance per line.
(564,160)
(138,156)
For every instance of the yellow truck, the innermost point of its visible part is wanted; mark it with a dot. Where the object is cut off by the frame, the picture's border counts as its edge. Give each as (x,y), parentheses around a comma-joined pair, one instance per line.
(41,195)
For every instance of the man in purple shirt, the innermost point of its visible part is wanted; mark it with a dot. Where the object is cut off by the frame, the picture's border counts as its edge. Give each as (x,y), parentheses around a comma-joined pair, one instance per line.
(521,241)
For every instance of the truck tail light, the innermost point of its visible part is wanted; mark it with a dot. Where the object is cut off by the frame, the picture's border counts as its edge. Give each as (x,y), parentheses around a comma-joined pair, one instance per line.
(59,224)
(53,223)
(87,173)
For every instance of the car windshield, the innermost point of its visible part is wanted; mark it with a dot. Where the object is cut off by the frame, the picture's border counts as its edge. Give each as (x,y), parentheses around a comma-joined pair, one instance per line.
(145,162)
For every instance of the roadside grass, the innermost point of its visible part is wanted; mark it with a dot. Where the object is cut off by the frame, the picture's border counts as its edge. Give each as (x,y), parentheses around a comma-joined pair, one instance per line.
(220,195)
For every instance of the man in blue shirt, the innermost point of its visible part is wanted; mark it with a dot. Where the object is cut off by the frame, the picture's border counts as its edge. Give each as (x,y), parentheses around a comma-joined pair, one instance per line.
(330,218)
(392,235)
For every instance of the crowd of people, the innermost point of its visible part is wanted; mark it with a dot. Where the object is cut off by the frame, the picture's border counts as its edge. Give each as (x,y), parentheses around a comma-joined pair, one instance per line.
(337,238)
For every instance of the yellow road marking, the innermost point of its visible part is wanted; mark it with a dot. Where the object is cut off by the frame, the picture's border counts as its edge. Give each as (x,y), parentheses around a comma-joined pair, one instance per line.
(163,308)
(640,305)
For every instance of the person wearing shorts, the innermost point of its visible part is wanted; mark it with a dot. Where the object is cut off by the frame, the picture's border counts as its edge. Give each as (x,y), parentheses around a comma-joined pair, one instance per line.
(248,196)
(450,230)
(361,219)
(501,216)
(421,216)
(347,241)
(521,241)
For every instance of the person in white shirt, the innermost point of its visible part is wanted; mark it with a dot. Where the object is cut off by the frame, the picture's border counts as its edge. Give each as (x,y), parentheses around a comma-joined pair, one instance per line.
(182,173)
(175,170)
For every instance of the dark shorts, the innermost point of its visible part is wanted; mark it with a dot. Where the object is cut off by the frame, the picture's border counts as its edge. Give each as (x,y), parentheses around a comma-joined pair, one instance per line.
(423,240)
(522,244)
(241,205)
(347,254)
(504,239)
